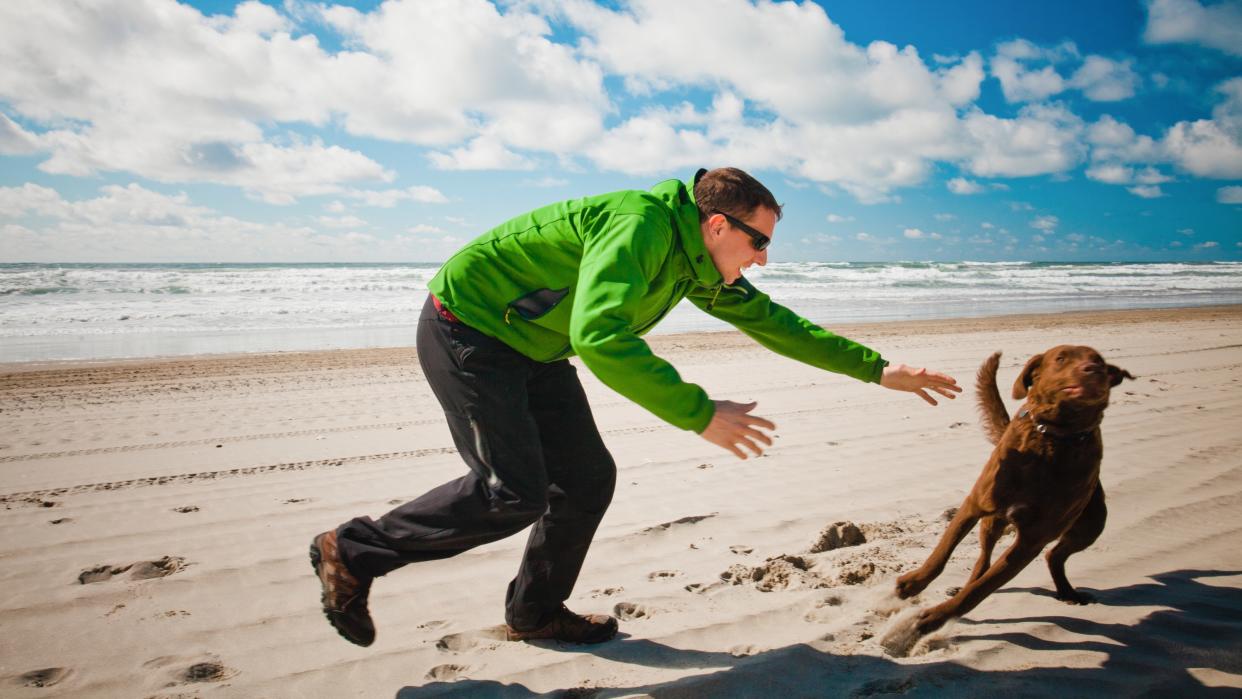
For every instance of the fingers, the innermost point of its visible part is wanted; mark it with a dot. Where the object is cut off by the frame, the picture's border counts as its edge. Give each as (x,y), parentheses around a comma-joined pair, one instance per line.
(923,394)
(765,424)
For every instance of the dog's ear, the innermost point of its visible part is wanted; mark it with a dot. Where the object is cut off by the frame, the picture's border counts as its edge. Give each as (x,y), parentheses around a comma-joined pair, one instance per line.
(1116,374)
(1027,377)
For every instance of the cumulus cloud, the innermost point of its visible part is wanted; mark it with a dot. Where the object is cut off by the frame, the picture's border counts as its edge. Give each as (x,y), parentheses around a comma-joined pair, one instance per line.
(961,185)
(1146,191)
(1211,147)
(388,198)
(1229,195)
(1217,26)
(1045,223)
(1043,139)
(165,92)
(132,222)
(1028,73)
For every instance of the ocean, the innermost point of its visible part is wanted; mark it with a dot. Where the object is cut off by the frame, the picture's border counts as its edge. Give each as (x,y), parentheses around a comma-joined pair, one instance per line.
(107,311)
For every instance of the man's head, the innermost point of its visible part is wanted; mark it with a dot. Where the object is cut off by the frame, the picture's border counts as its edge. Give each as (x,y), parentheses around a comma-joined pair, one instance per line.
(735,213)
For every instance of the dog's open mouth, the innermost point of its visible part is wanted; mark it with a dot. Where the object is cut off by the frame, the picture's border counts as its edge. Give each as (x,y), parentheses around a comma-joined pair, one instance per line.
(1074,391)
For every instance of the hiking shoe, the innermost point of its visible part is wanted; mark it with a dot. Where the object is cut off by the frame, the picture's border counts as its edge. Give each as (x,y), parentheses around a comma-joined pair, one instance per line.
(567,626)
(344,596)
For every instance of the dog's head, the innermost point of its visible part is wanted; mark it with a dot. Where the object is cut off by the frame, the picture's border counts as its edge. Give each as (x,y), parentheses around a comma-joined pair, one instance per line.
(1068,373)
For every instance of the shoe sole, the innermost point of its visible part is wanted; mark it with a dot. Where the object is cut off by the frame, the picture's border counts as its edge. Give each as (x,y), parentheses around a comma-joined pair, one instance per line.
(316,558)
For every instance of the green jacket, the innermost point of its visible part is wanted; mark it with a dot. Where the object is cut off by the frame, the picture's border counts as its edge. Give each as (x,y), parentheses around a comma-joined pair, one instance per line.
(590,276)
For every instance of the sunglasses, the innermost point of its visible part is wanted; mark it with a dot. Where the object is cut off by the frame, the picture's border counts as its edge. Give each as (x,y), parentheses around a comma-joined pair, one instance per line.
(757,239)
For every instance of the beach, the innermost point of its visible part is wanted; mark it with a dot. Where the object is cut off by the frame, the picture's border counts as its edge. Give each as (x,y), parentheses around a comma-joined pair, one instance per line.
(157,514)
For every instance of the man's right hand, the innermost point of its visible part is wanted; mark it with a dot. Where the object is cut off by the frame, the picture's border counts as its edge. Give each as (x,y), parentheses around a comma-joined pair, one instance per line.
(733,427)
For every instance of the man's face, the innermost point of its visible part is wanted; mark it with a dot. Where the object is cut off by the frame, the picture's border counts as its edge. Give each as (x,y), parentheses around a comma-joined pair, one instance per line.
(731,249)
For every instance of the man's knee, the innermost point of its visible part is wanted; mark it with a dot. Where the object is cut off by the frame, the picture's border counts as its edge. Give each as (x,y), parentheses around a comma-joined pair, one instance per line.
(594,494)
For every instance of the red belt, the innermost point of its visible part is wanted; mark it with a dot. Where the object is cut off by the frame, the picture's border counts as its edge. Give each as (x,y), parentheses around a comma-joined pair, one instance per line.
(444,312)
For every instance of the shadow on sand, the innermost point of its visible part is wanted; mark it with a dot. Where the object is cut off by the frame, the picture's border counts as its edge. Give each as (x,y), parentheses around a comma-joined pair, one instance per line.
(1196,625)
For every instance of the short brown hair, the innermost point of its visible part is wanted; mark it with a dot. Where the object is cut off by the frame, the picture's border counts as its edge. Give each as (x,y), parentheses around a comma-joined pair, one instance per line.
(733,192)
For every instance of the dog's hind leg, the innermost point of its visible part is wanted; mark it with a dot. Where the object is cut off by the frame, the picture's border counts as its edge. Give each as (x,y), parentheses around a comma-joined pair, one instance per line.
(917,580)
(990,531)
(1006,567)
(1085,530)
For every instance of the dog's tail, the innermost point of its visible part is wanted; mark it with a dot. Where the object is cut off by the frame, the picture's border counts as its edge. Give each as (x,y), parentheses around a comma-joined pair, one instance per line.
(991,407)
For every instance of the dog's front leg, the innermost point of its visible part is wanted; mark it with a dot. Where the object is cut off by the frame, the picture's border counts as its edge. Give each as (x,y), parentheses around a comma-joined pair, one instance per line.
(1006,567)
(990,531)
(917,580)
(1085,530)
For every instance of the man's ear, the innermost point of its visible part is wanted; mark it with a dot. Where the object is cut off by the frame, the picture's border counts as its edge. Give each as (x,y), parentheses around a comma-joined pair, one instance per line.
(1027,377)
(1116,374)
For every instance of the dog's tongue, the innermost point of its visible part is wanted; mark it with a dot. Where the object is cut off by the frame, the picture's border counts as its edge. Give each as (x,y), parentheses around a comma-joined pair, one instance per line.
(1073,390)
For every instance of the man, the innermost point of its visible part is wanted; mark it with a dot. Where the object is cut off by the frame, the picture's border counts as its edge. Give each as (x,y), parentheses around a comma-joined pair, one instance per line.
(587,277)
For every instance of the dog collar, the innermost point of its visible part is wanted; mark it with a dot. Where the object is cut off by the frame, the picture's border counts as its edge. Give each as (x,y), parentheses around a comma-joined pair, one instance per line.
(1052,430)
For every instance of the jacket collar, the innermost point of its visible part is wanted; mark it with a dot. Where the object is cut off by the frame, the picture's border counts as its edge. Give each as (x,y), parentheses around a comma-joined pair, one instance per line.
(680,199)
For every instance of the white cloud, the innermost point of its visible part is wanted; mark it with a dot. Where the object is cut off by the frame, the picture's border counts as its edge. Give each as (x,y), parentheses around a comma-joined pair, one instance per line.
(341,221)
(207,91)
(1211,147)
(944,217)
(1146,191)
(1043,139)
(1207,245)
(483,153)
(836,218)
(388,198)
(1028,73)
(961,185)
(1105,80)
(1186,231)
(14,140)
(1217,26)
(1045,223)
(864,237)
(422,228)
(127,223)
(1229,195)
(547,182)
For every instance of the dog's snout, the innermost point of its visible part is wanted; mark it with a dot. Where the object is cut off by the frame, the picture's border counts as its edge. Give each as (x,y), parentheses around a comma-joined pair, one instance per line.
(1091,367)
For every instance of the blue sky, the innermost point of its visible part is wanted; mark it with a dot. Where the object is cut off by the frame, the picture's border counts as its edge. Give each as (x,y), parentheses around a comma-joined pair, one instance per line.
(150,130)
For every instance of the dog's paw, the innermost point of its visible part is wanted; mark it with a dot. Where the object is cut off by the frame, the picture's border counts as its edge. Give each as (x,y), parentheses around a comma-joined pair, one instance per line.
(929,620)
(1076,597)
(910,585)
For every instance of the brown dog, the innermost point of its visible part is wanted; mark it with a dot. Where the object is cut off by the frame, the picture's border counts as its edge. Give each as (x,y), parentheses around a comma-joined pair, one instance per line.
(1043,478)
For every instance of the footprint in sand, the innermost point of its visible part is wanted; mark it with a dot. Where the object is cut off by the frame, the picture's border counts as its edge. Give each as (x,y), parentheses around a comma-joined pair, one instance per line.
(628,611)
(209,671)
(744,650)
(143,570)
(741,550)
(186,509)
(295,501)
(663,574)
(457,642)
(445,672)
(47,677)
(205,669)
(607,591)
(62,520)
(435,624)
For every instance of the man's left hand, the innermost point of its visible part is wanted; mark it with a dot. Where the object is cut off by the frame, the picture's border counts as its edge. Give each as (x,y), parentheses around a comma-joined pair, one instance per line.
(900,377)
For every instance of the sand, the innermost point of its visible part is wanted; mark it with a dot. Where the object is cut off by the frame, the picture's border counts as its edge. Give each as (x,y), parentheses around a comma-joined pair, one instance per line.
(156,515)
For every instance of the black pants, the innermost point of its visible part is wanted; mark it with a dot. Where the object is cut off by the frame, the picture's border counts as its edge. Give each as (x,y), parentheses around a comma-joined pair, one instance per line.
(535,455)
